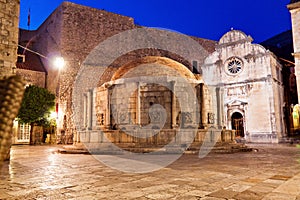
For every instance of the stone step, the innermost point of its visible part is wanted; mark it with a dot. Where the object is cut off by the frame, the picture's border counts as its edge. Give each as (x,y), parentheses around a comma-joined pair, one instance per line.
(73,149)
(290,140)
(193,149)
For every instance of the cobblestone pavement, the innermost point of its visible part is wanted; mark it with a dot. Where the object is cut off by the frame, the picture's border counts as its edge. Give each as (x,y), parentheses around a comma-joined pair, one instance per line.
(37,172)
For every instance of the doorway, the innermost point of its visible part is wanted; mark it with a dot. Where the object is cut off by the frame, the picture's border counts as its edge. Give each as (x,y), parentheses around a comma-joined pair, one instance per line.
(237,124)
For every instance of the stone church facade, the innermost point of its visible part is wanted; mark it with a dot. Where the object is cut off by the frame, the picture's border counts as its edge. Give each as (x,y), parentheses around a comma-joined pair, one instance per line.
(249,86)
(238,84)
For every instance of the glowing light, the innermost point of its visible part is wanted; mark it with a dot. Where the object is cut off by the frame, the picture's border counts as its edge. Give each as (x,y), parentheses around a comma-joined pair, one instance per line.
(53,115)
(59,62)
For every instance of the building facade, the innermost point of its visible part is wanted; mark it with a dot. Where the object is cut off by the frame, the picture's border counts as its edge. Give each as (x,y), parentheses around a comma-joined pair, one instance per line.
(294,8)
(11,87)
(31,69)
(248,80)
(238,84)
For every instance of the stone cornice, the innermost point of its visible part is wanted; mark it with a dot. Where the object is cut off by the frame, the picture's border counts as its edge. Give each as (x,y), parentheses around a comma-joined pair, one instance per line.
(293,6)
(296,54)
(242,41)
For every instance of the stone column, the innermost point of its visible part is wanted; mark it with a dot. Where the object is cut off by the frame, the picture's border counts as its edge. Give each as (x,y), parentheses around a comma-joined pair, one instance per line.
(222,121)
(107,114)
(94,111)
(174,105)
(218,107)
(246,136)
(84,111)
(138,104)
(226,118)
(201,105)
(89,109)
(204,106)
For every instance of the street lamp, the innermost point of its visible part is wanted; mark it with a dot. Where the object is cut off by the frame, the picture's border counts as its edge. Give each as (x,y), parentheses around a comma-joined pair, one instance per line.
(59,62)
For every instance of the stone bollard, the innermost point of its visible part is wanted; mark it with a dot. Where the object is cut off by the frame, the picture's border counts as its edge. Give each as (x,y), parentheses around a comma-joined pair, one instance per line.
(11,94)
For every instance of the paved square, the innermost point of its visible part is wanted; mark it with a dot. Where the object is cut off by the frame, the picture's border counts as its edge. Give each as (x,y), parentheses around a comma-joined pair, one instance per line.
(38,172)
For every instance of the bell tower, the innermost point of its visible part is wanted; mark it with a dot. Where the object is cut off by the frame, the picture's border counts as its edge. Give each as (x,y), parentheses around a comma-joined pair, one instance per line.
(294,8)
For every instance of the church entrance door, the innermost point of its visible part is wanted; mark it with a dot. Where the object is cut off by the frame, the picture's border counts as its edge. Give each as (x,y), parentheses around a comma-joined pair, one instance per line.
(237,121)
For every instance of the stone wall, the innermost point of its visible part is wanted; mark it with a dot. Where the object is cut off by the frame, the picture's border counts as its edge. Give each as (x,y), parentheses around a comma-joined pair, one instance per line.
(83,28)
(47,41)
(72,31)
(11,88)
(295,15)
(32,77)
(9,23)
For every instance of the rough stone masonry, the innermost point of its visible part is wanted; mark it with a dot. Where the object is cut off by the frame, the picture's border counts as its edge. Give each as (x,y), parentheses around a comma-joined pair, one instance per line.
(11,87)
(9,23)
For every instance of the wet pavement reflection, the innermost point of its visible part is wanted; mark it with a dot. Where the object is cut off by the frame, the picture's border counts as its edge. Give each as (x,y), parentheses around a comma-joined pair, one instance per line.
(38,172)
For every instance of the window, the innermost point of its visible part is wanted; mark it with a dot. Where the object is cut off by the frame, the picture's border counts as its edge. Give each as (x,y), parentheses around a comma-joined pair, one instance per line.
(24,132)
(21,58)
(234,66)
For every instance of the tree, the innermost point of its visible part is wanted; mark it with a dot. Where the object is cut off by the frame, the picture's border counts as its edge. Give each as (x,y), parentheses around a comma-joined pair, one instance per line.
(36,106)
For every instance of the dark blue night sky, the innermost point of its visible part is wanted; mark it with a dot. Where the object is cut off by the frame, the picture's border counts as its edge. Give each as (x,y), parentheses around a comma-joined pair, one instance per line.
(209,19)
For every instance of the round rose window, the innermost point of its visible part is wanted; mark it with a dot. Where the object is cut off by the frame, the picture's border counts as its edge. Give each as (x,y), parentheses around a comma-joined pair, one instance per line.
(234,65)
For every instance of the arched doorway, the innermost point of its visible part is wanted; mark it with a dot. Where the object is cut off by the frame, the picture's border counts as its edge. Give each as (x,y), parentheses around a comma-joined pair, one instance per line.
(237,123)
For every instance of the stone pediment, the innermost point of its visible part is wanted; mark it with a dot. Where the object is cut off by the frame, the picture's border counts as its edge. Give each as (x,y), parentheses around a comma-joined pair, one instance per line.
(234,36)
(236,102)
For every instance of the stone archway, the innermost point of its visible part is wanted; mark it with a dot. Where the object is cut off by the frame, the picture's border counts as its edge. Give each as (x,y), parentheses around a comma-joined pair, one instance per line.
(135,87)
(237,124)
